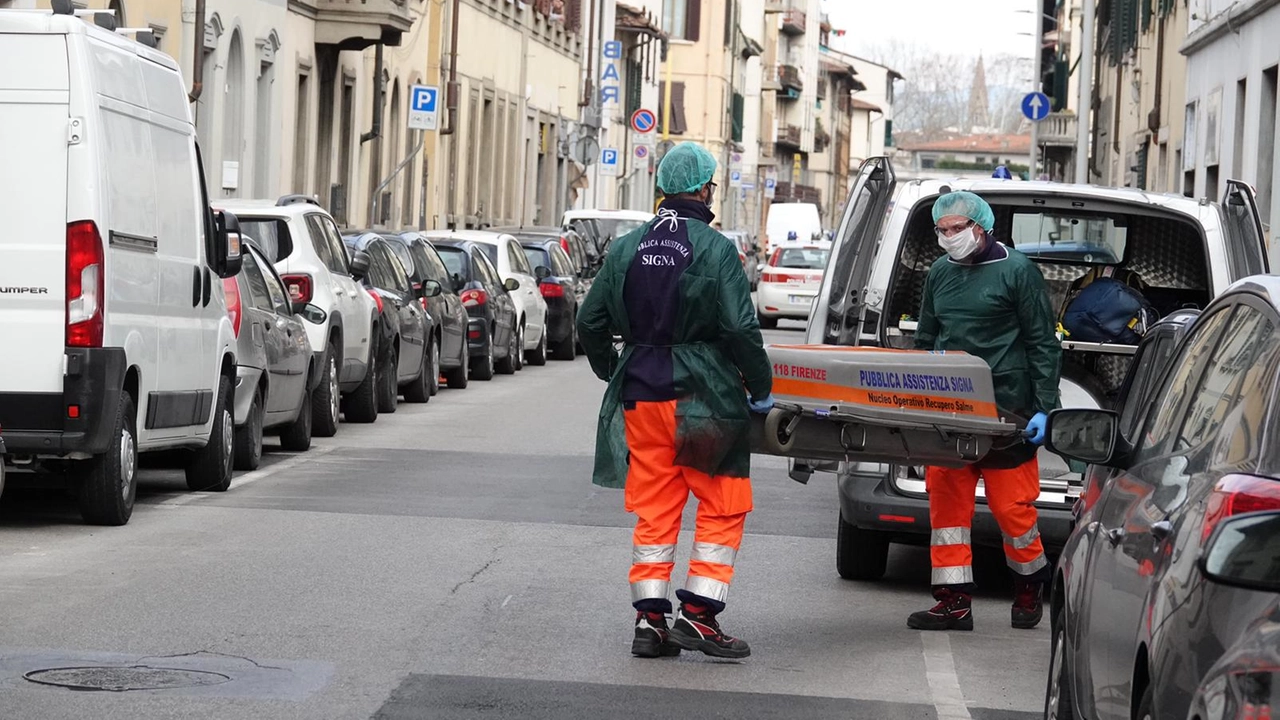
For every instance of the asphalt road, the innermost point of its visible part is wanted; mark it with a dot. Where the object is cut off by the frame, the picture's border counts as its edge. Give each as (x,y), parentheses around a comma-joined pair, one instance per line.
(454,561)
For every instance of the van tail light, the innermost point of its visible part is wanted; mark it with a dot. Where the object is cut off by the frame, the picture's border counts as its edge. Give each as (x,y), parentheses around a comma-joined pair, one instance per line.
(376,298)
(231,288)
(1238,494)
(86,285)
(473,298)
(551,290)
(299,287)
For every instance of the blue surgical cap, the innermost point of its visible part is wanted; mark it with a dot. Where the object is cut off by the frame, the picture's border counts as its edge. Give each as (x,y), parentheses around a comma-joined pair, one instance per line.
(967,205)
(685,169)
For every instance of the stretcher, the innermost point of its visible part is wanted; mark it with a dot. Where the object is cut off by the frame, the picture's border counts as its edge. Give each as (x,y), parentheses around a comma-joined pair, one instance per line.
(881,405)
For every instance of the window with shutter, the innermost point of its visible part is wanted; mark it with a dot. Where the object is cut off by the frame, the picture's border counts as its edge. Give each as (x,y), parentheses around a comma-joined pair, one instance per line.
(635,85)
(678,126)
(693,20)
(739,106)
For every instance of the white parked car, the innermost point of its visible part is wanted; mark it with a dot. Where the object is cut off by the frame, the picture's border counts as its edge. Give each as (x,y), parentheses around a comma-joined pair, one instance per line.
(111,301)
(789,282)
(608,224)
(304,243)
(506,254)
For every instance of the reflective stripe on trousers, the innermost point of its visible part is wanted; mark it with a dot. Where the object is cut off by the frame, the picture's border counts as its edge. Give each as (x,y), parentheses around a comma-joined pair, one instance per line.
(657,490)
(1011,495)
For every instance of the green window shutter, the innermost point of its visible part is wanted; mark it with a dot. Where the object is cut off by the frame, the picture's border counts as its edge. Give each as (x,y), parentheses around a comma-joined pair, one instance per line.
(635,82)
(888,133)
(739,107)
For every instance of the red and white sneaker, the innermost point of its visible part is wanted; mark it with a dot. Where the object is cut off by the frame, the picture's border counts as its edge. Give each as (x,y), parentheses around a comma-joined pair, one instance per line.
(954,611)
(700,631)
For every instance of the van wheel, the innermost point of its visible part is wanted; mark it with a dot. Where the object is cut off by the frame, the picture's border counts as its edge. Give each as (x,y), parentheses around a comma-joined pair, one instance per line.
(538,355)
(108,483)
(248,440)
(389,384)
(457,378)
(325,398)
(767,323)
(860,554)
(419,390)
(361,404)
(296,436)
(210,467)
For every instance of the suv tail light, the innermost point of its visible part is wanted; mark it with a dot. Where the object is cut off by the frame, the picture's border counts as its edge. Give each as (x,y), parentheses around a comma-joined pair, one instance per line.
(376,298)
(1238,494)
(473,298)
(551,289)
(231,288)
(564,245)
(86,285)
(299,287)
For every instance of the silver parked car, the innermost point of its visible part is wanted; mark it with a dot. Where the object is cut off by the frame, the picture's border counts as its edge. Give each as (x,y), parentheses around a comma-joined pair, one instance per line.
(275,373)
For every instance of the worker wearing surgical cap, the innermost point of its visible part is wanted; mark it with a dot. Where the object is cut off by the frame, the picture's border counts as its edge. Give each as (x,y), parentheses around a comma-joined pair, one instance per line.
(675,418)
(990,301)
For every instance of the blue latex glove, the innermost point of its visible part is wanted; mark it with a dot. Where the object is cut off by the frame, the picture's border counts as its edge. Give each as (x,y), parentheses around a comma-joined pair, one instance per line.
(1035,428)
(761,406)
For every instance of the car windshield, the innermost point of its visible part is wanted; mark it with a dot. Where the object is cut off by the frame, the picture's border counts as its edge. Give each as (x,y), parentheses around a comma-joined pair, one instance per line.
(537,257)
(1069,238)
(802,258)
(265,234)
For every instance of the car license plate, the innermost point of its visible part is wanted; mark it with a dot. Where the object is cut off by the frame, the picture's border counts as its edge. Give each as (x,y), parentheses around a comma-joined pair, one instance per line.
(800,299)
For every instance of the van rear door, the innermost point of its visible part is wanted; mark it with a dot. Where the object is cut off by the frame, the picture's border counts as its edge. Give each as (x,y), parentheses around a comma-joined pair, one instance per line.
(34,132)
(1247,250)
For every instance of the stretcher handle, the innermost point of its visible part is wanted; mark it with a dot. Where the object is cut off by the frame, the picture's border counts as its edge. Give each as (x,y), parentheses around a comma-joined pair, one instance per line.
(847,416)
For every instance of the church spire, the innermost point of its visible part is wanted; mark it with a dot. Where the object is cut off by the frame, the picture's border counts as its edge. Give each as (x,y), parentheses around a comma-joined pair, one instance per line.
(979,106)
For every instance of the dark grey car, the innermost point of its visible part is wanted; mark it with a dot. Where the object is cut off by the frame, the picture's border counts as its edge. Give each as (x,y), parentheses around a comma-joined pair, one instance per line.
(1140,612)
(274,373)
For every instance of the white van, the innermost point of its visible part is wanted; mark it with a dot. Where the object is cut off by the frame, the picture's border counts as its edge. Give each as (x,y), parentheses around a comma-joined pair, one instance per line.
(111,305)
(786,218)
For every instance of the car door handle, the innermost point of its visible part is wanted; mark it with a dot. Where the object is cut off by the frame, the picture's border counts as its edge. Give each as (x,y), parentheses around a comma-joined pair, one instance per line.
(1161,530)
(197,286)
(1115,535)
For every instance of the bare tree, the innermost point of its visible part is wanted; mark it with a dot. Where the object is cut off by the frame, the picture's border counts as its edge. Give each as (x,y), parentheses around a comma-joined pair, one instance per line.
(933,101)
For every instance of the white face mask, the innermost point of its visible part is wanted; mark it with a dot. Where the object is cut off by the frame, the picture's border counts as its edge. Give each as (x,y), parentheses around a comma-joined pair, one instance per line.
(961,245)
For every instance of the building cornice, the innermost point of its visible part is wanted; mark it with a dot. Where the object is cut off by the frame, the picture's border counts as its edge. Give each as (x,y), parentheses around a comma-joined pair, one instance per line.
(1227,22)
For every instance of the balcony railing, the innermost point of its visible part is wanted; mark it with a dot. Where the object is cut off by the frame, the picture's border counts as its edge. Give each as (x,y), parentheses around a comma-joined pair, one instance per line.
(789,135)
(357,24)
(1058,129)
(789,78)
(773,7)
(793,22)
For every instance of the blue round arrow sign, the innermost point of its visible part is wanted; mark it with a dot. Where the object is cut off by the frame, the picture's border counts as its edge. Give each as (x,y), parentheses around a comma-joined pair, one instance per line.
(1036,106)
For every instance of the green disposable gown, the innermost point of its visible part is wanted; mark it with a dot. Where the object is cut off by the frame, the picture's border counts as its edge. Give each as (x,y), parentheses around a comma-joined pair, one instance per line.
(718,357)
(1000,312)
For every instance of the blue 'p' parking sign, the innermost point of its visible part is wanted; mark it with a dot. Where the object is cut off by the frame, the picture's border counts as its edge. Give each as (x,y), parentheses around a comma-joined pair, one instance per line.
(424,107)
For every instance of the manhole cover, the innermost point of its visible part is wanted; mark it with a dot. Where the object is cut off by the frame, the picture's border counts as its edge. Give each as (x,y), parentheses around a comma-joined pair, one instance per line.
(122,678)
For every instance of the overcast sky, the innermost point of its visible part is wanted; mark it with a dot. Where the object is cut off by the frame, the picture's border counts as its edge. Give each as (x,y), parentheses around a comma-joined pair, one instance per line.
(987,26)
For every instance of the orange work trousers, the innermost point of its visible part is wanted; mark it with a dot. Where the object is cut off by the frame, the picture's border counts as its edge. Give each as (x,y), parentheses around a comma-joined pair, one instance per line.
(1011,495)
(657,490)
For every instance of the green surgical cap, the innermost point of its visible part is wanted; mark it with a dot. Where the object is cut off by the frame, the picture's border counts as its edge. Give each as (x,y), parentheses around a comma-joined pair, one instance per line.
(966,204)
(685,169)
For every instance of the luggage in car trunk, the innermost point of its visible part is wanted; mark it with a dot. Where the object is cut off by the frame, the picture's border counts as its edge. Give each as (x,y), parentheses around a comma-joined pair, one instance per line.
(880,405)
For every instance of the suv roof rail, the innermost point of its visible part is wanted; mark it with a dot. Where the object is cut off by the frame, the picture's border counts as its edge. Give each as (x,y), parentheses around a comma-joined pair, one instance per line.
(144,36)
(295,199)
(63,7)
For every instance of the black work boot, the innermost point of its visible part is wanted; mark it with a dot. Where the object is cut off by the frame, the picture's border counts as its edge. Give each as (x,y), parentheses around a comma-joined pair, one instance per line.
(653,637)
(1027,609)
(954,611)
(700,631)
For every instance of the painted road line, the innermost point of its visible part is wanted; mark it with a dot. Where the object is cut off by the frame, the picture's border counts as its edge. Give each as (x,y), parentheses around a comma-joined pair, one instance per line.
(240,481)
(944,684)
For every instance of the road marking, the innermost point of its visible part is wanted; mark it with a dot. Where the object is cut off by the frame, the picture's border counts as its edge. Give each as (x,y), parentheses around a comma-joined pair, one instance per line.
(504,602)
(240,481)
(944,684)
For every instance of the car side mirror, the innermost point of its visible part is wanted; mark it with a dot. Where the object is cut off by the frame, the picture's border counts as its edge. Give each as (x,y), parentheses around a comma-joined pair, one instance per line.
(431,288)
(1087,435)
(542,272)
(229,255)
(309,312)
(1239,553)
(360,265)
(511,284)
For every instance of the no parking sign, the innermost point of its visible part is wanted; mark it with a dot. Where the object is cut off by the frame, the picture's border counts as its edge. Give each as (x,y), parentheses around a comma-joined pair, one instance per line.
(642,152)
